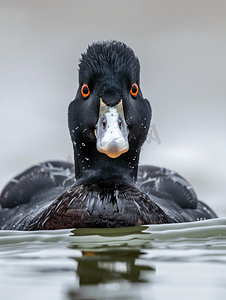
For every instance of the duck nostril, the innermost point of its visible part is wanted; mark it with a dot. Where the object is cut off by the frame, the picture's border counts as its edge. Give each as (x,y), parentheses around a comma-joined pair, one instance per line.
(120,124)
(104,124)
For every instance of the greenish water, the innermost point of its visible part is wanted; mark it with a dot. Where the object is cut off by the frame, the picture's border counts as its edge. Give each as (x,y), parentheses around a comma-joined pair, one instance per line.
(175,261)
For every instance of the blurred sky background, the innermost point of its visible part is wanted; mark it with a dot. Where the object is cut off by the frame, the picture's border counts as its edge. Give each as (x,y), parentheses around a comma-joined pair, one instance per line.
(182,50)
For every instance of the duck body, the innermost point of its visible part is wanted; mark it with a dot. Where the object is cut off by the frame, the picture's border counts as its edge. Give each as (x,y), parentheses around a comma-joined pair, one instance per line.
(47,197)
(108,122)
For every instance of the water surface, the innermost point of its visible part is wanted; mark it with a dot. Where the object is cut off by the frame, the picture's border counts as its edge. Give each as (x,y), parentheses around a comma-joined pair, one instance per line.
(173,261)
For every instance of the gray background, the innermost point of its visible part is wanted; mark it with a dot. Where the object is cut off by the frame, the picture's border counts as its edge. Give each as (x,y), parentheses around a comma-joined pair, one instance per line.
(182,50)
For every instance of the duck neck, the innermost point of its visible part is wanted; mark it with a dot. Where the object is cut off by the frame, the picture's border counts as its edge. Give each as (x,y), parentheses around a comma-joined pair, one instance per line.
(93,166)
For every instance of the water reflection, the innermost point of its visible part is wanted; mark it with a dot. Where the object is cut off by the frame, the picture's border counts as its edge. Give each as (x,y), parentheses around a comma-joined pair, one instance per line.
(114,264)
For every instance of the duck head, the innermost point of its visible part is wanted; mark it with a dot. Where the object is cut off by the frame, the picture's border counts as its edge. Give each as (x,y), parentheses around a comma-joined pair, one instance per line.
(109,119)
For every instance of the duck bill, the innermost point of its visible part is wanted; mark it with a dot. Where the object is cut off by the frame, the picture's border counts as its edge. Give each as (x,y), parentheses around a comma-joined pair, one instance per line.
(111,130)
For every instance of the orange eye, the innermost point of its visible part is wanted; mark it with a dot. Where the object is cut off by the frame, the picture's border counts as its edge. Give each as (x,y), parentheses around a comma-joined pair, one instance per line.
(85,90)
(134,90)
